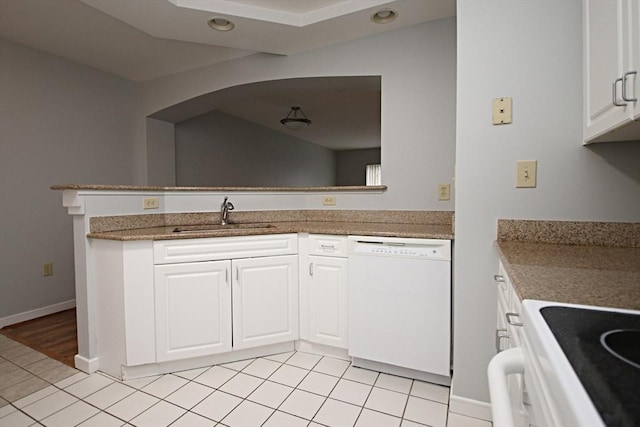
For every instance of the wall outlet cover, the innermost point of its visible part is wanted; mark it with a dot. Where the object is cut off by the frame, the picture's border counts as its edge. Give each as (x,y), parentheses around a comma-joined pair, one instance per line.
(328,200)
(502,111)
(47,269)
(150,203)
(444,191)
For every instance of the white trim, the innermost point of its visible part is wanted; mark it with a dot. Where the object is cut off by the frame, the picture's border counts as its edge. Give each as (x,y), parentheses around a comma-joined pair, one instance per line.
(400,371)
(470,407)
(86,365)
(38,312)
(306,346)
(139,371)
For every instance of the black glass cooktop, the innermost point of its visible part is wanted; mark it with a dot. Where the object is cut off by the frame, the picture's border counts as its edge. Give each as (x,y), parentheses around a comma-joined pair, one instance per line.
(611,378)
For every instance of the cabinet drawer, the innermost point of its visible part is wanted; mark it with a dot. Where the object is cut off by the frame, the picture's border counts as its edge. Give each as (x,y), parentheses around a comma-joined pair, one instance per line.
(325,244)
(218,248)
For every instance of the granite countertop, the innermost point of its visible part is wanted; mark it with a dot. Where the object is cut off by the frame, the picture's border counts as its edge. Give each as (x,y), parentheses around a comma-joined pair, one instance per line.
(415,224)
(603,276)
(425,231)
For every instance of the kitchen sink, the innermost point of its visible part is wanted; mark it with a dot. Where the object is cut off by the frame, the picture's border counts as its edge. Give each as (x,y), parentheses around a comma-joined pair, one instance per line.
(217,228)
(624,344)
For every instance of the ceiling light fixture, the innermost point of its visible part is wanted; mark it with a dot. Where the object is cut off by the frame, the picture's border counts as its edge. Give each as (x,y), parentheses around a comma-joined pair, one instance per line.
(384,16)
(221,24)
(296,119)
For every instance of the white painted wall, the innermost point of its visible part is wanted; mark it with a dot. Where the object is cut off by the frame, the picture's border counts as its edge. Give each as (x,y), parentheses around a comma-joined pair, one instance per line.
(60,122)
(530,50)
(417,66)
(217,150)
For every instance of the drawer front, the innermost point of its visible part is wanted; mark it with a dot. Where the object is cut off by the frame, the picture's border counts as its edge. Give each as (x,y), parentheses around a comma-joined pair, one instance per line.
(218,248)
(328,245)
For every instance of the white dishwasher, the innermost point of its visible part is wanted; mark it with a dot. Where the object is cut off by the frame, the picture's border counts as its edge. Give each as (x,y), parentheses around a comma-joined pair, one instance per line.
(400,306)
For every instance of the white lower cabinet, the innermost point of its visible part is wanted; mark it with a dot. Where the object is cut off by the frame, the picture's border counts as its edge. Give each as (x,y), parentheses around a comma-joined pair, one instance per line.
(508,334)
(265,301)
(209,307)
(323,289)
(328,300)
(193,309)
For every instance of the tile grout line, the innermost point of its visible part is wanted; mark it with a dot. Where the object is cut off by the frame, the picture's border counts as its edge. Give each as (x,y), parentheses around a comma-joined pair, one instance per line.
(325,397)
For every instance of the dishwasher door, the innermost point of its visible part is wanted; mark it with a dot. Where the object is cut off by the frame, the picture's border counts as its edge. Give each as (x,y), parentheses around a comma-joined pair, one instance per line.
(400,306)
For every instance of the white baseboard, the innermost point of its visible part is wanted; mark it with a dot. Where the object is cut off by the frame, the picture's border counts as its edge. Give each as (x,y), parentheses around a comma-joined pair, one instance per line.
(470,408)
(38,312)
(322,350)
(86,365)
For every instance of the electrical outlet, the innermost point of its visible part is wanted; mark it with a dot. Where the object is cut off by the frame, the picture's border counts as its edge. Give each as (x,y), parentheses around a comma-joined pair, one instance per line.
(328,200)
(150,203)
(444,192)
(502,111)
(47,269)
(526,174)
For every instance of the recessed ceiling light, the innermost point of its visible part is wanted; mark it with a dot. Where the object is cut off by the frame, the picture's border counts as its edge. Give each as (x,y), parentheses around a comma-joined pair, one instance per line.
(384,16)
(221,24)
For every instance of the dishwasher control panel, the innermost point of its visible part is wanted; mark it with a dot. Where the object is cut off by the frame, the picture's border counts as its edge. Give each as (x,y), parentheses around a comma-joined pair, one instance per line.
(400,247)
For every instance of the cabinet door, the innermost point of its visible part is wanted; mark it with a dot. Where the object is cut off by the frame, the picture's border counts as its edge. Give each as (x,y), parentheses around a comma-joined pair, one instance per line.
(507,337)
(328,301)
(193,309)
(265,301)
(607,48)
(634,51)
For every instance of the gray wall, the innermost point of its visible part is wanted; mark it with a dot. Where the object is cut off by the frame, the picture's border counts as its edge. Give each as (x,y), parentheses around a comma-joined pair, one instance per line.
(418,105)
(60,122)
(217,149)
(352,165)
(538,62)
(161,170)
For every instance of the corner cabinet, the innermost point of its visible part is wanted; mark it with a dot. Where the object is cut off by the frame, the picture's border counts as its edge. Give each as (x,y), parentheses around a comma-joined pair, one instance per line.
(611,70)
(265,301)
(327,288)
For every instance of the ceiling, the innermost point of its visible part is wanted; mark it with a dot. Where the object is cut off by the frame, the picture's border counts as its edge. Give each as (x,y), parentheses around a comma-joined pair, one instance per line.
(145,39)
(140,40)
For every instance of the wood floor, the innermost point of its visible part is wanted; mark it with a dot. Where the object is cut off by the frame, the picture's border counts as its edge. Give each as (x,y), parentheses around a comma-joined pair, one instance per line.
(54,335)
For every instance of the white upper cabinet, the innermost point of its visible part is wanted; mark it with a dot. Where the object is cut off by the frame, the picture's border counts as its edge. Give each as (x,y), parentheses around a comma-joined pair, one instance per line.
(611,70)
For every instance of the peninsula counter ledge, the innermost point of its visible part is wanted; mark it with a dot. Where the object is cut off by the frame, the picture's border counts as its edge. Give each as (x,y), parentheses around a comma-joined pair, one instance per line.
(105,187)
(571,262)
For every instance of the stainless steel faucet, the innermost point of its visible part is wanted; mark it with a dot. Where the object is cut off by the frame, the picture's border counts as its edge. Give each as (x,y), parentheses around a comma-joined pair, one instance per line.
(225,207)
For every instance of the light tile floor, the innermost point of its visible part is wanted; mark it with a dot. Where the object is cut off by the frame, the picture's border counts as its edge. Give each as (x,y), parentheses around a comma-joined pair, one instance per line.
(288,389)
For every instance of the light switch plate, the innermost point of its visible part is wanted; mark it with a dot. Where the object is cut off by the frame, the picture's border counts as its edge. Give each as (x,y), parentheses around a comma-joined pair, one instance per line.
(526,173)
(502,111)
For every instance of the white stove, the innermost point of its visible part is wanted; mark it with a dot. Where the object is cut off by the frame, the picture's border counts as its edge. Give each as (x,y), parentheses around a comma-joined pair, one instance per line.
(570,377)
